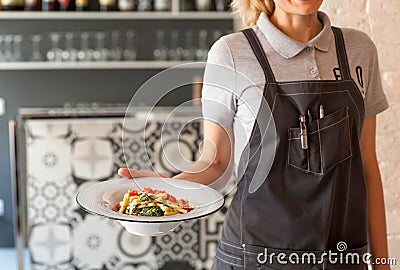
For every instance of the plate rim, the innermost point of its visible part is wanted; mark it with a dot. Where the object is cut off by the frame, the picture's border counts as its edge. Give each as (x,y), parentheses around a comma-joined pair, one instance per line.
(222,203)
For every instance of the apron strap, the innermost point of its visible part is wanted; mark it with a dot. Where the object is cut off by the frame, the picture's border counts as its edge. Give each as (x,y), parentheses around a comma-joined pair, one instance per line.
(341,53)
(269,75)
(260,54)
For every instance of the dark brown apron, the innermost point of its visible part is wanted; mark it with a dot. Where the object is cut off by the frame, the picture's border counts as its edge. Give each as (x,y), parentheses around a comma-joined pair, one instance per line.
(313,200)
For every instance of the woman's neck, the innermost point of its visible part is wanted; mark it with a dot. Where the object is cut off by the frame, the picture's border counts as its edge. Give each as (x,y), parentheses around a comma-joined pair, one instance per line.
(301,28)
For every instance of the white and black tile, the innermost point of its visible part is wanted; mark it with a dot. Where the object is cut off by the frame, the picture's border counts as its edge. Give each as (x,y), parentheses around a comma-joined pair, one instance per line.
(43,129)
(63,156)
(173,145)
(49,200)
(92,159)
(129,148)
(94,244)
(92,150)
(48,158)
(178,246)
(50,244)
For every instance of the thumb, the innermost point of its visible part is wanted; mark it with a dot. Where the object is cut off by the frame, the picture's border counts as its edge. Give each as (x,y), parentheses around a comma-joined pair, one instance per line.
(126,173)
(131,173)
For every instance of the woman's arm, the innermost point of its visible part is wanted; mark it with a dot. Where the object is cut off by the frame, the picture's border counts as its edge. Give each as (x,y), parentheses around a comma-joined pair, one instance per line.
(376,205)
(214,164)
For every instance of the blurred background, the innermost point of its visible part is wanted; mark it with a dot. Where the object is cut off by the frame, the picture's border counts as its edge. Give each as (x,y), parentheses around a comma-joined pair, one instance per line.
(68,69)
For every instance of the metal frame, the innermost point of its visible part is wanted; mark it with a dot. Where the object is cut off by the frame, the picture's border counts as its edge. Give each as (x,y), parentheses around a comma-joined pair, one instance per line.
(17,193)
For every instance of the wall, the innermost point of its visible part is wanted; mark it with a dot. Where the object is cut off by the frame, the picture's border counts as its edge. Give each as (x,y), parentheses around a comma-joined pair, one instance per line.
(380,20)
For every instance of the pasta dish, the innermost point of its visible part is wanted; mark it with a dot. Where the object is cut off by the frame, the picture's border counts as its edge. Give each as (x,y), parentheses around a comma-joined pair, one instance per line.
(149,202)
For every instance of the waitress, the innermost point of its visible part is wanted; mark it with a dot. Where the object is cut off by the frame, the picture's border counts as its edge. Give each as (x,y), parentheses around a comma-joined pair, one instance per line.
(322,191)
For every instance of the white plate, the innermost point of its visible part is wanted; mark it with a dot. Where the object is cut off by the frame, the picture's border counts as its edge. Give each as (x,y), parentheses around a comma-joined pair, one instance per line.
(101,198)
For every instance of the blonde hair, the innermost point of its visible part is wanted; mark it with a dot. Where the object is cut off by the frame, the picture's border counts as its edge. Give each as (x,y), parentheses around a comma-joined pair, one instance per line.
(249,10)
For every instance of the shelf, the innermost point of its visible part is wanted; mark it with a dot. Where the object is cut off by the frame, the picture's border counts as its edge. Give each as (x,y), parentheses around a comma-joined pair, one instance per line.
(40,15)
(101,65)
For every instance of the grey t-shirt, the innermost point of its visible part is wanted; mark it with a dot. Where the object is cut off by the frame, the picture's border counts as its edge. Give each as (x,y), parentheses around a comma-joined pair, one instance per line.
(233,79)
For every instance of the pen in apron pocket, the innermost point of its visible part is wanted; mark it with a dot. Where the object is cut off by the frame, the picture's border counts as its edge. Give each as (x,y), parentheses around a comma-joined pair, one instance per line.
(321,111)
(303,132)
(309,116)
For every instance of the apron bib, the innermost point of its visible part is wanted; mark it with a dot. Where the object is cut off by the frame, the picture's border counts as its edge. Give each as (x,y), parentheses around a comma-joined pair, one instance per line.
(313,200)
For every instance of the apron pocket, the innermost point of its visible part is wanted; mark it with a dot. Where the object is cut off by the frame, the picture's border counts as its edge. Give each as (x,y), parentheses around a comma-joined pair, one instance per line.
(329,143)
(228,256)
(257,257)
(251,262)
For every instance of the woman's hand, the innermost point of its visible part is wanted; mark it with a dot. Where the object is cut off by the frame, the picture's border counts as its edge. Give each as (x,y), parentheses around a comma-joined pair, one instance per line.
(131,173)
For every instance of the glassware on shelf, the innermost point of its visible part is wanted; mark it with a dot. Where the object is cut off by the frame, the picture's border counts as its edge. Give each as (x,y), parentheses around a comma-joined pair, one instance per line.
(162,5)
(33,5)
(94,5)
(189,51)
(100,53)
(130,53)
(12,4)
(81,5)
(175,51)
(203,5)
(8,48)
(217,34)
(108,5)
(115,50)
(202,49)
(160,53)
(84,52)
(144,5)
(70,54)
(50,5)
(187,5)
(66,5)
(2,56)
(55,53)
(36,55)
(126,5)
(17,42)
(222,5)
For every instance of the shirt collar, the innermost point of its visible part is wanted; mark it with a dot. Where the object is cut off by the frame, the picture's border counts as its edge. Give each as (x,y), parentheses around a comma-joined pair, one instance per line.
(286,46)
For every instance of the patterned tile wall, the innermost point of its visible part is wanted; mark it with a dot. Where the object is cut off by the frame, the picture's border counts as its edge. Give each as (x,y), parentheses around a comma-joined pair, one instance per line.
(64,155)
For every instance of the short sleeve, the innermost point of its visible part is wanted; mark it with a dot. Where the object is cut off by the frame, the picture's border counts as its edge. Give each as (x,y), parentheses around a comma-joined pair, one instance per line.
(375,99)
(218,92)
